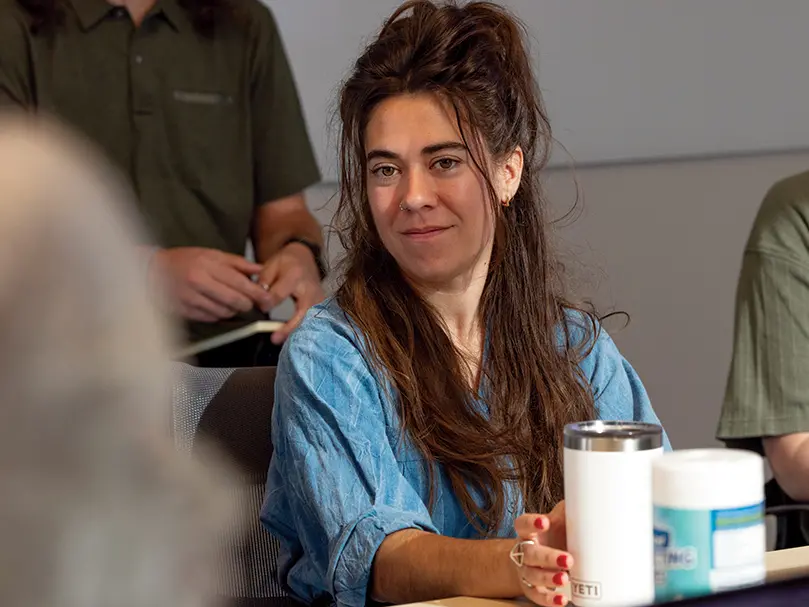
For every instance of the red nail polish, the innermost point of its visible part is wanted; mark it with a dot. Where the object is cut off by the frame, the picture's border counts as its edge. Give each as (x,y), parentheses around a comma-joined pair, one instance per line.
(559,578)
(562,561)
(540,523)
(560,599)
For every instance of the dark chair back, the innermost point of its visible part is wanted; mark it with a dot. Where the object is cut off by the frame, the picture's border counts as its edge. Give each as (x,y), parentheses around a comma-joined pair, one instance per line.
(233,408)
(792,516)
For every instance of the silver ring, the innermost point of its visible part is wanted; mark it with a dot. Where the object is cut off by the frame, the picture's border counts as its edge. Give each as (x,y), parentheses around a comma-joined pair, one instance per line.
(264,286)
(526,583)
(517,554)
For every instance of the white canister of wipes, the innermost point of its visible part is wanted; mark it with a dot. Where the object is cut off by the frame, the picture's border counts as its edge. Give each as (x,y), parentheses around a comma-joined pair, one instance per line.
(709,522)
(608,504)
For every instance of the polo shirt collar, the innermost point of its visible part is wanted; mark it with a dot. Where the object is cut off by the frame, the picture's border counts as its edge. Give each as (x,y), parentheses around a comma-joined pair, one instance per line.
(175,14)
(91,12)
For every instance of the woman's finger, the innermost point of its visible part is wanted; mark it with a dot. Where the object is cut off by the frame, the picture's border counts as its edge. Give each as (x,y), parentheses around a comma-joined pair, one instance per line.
(545,578)
(548,528)
(537,555)
(529,525)
(544,596)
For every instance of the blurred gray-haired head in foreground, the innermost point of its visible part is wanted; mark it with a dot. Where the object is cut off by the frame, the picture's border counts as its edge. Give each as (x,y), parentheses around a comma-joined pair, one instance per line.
(96,506)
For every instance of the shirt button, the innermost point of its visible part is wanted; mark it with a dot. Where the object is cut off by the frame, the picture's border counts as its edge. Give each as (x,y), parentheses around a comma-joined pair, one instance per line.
(138,59)
(120,13)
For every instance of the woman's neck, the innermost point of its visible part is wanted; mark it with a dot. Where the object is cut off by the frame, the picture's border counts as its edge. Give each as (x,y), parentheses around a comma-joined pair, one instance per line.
(460,313)
(458,306)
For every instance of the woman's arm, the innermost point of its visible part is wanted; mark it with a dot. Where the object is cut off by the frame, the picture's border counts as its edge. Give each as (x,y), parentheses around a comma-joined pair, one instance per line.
(335,489)
(350,523)
(413,566)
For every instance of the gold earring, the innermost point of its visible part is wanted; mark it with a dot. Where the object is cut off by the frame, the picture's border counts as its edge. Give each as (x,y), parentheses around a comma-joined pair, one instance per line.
(507,202)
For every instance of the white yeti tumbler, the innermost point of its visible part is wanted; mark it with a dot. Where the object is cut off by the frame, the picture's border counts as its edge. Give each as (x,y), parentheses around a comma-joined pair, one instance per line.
(609,511)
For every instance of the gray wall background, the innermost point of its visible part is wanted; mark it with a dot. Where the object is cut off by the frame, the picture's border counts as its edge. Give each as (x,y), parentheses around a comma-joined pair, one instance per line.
(622,79)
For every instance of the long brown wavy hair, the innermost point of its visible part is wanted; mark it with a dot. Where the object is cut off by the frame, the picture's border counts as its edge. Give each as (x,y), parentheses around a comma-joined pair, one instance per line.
(475,57)
(46,15)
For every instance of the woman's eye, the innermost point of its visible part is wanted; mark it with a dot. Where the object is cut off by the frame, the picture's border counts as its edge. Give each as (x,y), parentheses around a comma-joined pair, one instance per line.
(385,171)
(446,164)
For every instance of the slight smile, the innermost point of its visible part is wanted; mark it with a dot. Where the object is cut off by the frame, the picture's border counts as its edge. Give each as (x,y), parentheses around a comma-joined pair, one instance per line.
(426,232)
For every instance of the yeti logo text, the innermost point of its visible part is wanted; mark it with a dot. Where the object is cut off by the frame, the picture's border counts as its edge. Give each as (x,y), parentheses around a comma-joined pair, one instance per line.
(586,590)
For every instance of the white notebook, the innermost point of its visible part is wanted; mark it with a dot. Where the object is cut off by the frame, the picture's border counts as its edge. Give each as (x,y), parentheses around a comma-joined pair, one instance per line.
(260,326)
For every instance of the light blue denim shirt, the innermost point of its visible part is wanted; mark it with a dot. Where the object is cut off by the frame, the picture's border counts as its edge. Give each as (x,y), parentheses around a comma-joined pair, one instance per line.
(341,480)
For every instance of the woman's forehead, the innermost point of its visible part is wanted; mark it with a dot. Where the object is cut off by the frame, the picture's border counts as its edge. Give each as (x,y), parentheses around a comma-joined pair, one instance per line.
(415,124)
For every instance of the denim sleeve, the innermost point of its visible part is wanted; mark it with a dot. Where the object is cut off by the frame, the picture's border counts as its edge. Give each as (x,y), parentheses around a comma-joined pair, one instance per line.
(335,489)
(618,391)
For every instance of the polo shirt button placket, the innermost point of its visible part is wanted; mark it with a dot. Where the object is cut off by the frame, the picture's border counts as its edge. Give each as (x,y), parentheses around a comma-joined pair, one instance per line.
(142,95)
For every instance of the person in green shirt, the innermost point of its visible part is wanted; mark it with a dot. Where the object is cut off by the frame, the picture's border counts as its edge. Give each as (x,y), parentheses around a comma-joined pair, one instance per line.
(195,101)
(766,405)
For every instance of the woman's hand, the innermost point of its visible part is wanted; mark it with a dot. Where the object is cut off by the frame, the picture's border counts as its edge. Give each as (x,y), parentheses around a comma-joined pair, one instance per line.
(542,565)
(556,535)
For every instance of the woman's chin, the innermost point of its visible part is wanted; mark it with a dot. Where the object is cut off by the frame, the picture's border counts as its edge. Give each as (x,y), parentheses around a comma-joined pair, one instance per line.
(433,276)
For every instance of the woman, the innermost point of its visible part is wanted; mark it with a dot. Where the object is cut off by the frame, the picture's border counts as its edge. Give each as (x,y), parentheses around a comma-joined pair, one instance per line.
(423,406)
(97,508)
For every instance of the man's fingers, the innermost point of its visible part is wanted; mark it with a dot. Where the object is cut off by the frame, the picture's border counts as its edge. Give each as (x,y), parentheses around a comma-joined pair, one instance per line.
(201,302)
(283,287)
(267,278)
(251,293)
(278,337)
(195,314)
(248,268)
(222,294)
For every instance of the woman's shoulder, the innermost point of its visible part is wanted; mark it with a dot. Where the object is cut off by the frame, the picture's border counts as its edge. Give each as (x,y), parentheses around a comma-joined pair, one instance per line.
(326,336)
(598,356)
(582,332)
(323,365)
(617,389)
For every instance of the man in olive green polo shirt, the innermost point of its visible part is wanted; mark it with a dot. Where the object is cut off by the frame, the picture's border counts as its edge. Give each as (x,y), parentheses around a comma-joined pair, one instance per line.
(195,101)
(766,405)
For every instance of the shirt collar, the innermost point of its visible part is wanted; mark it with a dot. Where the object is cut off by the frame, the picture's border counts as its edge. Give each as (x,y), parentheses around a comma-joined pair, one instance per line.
(91,12)
(175,14)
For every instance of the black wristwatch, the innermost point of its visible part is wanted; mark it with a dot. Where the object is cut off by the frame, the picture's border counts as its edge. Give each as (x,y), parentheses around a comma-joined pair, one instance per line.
(316,251)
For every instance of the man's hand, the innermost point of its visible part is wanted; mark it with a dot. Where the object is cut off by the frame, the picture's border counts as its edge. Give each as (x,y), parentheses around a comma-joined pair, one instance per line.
(292,272)
(208,285)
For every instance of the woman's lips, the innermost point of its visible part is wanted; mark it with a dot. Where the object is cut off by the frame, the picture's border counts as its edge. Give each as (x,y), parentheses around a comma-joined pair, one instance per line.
(425,233)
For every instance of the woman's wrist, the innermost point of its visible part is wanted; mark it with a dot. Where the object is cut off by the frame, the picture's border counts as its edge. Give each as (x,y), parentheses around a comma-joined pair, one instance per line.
(503,580)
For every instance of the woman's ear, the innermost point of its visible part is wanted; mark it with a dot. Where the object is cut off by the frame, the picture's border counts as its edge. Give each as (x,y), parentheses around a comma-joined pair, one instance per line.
(509,175)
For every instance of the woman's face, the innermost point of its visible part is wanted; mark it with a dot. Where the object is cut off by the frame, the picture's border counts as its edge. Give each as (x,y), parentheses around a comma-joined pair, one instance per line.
(429,202)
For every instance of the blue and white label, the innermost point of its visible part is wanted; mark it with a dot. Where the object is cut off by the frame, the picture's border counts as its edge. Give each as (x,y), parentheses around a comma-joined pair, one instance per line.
(698,552)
